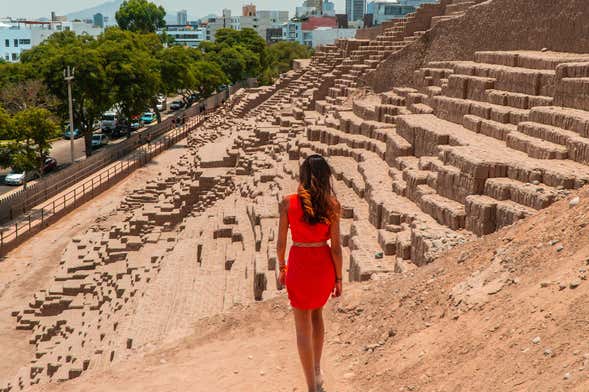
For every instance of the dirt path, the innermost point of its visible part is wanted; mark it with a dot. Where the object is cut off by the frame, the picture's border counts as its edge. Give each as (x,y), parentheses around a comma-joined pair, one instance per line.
(251,350)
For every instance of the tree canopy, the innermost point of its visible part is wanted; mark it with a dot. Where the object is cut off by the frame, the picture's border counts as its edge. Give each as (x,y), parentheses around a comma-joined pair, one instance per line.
(140,16)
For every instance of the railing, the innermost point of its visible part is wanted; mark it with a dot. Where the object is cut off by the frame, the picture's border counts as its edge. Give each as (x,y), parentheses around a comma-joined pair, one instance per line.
(146,147)
(18,203)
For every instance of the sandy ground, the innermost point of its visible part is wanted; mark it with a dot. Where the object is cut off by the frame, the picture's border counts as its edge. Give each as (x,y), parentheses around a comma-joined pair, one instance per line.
(251,348)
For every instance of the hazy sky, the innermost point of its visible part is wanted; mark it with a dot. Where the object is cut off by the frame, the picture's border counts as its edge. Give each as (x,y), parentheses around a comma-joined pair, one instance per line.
(196,8)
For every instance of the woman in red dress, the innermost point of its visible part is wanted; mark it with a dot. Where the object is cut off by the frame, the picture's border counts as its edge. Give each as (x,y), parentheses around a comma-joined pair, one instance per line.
(314,267)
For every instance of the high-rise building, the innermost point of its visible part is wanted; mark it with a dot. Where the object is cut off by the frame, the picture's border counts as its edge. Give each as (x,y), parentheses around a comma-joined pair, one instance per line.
(317,4)
(249,10)
(328,8)
(182,18)
(98,20)
(355,9)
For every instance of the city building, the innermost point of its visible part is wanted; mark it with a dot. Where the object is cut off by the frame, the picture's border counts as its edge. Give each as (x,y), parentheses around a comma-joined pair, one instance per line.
(182,17)
(98,20)
(301,31)
(217,23)
(274,34)
(328,8)
(186,35)
(57,18)
(261,21)
(19,36)
(327,36)
(384,10)
(355,9)
(248,10)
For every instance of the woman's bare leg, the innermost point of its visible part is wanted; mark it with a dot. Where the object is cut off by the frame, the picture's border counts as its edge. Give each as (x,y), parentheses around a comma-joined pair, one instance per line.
(318,337)
(304,329)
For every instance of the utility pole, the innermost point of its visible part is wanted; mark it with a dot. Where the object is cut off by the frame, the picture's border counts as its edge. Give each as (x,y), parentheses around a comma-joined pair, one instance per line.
(68,75)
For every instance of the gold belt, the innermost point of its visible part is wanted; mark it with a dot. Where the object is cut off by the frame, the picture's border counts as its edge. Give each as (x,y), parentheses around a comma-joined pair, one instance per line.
(310,244)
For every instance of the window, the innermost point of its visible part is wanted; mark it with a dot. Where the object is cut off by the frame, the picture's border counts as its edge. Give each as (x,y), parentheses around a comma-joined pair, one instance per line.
(14,58)
(15,43)
(7,43)
(24,41)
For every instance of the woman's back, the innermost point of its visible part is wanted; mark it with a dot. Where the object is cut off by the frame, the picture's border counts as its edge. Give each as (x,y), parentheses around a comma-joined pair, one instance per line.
(302,231)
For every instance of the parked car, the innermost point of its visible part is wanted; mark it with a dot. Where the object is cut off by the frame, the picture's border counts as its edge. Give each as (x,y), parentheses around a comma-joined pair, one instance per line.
(194,97)
(109,121)
(148,117)
(67,133)
(176,105)
(17,177)
(135,122)
(161,103)
(99,140)
(49,164)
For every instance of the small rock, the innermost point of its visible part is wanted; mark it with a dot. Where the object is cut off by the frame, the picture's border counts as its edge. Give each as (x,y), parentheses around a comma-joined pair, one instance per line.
(392,332)
(162,361)
(562,286)
(536,182)
(544,50)
(544,284)
(559,248)
(567,376)
(250,357)
(378,255)
(575,283)
(262,372)
(574,201)
(536,340)
(349,375)
(548,352)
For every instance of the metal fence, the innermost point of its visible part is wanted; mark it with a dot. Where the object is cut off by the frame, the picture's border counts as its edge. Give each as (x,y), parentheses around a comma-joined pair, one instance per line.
(92,176)
(18,203)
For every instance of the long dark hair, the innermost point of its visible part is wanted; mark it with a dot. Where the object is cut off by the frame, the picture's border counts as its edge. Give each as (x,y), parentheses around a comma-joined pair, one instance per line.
(315,191)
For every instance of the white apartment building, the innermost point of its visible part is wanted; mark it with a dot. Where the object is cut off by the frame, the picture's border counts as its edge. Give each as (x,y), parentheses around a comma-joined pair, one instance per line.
(19,36)
(327,36)
(261,21)
(185,35)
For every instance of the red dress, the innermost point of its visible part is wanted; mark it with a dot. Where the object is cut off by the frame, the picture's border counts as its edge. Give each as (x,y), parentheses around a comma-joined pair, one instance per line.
(310,276)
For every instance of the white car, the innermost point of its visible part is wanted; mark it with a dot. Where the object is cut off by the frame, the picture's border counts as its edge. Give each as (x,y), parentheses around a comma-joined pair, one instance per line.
(18,177)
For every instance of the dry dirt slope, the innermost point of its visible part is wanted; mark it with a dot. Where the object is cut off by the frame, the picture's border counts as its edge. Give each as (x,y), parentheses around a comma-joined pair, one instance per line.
(509,312)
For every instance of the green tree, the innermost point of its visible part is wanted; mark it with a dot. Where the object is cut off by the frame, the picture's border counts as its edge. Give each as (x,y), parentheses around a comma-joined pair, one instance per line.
(6,125)
(280,59)
(208,76)
(140,16)
(132,68)
(231,61)
(91,88)
(34,129)
(177,70)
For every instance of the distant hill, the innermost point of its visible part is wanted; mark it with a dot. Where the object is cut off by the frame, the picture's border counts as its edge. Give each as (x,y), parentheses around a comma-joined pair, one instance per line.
(106,9)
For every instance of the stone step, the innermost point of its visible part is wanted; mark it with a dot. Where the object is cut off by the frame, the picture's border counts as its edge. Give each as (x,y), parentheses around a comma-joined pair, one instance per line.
(454,109)
(517,100)
(536,196)
(534,147)
(529,59)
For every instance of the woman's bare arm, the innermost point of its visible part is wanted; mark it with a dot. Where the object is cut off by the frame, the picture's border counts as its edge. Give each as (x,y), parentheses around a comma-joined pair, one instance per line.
(336,246)
(282,231)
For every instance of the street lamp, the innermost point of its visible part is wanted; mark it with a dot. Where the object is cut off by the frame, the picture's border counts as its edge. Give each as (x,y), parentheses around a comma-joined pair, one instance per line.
(68,75)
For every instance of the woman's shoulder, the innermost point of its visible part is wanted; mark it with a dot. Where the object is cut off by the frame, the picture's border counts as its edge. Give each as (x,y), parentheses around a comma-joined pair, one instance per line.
(284,202)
